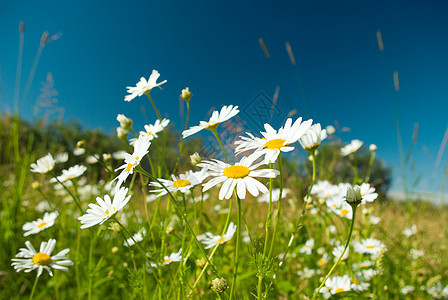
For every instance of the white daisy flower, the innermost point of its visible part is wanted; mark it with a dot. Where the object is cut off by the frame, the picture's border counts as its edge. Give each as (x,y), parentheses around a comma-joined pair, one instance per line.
(438,291)
(239,175)
(29,259)
(79,151)
(374,220)
(368,246)
(173,257)
(71,173)
(43,206)
(407,289)
(61,158)
(351,148)
(313,137)
(307,273)
(182,183)
(138,237)
(337,252)
(217,118)
(367,274)
(211,240)
(273,142)
(367,193)
(143,86)
(43,165)
(323,260)
(118,155)
(410,231)
(92,159)
(308,247)
(152,130)
(338,284)
(415,253)
(98,214)
(275,195)
(359,286)
(40,224)
(131,161)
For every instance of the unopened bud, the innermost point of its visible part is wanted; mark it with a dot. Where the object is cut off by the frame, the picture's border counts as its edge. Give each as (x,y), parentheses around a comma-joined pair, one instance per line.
(115,250)
(353,196)
(122,133)
(195,159)
(373,147)
(36,185)
(330,129)
(219,285)
(186,94)
(80,144)
(107,156)
(115,227)
(125,123)
(200,262)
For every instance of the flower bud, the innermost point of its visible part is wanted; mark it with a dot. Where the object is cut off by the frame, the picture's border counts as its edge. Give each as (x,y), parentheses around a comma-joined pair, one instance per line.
(115,227)
(125,123)
(353,196)
(186,94)
(373,147)
(330,129)
(80,144)
(36,185)
(115,250)
(122,134)
(200,262)
(107,156)
(195,159)
(219,285)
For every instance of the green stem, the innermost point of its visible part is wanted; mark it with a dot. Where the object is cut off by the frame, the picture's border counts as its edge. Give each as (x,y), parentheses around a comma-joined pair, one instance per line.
(34,287)
(342,255)
(182,142)
(277,220)
(237,251)
(215,133)
(369,170)
(71,194)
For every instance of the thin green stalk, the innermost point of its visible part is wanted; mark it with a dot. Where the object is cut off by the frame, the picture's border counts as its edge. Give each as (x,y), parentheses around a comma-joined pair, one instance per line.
(182,142)
(159,116)
(355,170)
(71,194)
(215,133)
(369,170)
(237,251)
(34,287)
(277,220)
(342,255)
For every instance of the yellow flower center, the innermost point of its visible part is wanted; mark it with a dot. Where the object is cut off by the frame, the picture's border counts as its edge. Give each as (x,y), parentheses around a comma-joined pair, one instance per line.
(211,126)
(339,290)
(355,281)
(168,260)
(236,172)
(41,225)
(344,212)
(107,211)
(275,144)
(322,262)
(222,240)
(71,176)
(181,183)
(41,259)
(129,167)
(370,247)
(149,133)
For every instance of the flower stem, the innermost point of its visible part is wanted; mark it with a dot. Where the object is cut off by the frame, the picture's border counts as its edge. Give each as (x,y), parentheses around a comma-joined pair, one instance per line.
(342,255)
(277,220)
(369,170)
(215,133)
(71,194)
(237,251)
(182,142)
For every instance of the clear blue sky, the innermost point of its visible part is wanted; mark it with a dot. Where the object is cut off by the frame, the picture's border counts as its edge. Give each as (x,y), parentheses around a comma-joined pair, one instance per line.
(213,48)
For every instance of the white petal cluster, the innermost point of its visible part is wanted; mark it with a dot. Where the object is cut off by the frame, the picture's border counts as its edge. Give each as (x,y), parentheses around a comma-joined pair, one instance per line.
(71,173)
(211,240)
(351,148)
(313,137)
(40,224)
(143,86)
(182,183)
(368,246)
(43,165)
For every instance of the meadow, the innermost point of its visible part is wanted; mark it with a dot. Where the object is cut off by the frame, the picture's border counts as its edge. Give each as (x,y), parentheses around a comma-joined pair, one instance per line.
(287,213)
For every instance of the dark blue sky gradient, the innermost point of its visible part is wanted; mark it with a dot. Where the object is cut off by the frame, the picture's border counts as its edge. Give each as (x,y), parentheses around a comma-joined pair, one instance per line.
(213,48)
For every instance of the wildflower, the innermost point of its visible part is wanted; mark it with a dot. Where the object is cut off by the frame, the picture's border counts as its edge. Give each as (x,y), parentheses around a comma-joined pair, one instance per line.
(143,86)
(98,214)
(80,144)
(29,259)
(173,257)
(367,193)
(92,159)
(323,260)
(36,185)
(275,195)
(415,253)
(374,220)
(239,175)
(368,246)
(313,137)
(307,273)
(138,237)
(71,173)
(273,142)
(40,224)
(211,240)
(351,148)
(43,165)
(337,284)
(373,147)
(119,154)
(122,133)
(308,247)
(330,129)
(125,123)
(219,285)
(407,289)
(186,94)
(79,151)
(42,206)
(195,159)
(217,118)
(152,130)
(337,252)
(131,161)
(359,286)
(61,158)
(438,291)
(183,183)
(354,196)
(410,231)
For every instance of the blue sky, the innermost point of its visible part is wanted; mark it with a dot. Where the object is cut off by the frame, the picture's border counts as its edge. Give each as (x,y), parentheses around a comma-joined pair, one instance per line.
(213,48)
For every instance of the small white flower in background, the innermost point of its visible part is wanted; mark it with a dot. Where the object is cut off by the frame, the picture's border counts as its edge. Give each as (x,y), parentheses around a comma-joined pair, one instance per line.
(407,289)
(330,129)
(239,175)
(373,147)
(122,134)
(131,161)
(152,130)
(43,165)
(368,193)
(61,158)
(29,259)
(79,151)
(173,257)
(275,195)
(359,286)
(138,237)
(143,86)
(351,148)
(337,252)
(337,284)
(366,274)
(71,173)
(211,240)
(151,198)
(125,123)
(374,220)
(92,159)
(182,183)
(200,198)
(273,142)
(323,260)
(217,118)
(307,273)
(308,247)
(313,137)
(415,253)
(438,291)
(368,246)
(40,224)
(119,155)
(410,231)
(195,159)
(98,214)
(42,206)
